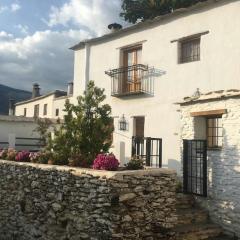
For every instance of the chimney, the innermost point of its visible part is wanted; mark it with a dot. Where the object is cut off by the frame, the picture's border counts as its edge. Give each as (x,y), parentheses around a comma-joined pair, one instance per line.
(114,27)
(11,110)
(70,88)
(36,90)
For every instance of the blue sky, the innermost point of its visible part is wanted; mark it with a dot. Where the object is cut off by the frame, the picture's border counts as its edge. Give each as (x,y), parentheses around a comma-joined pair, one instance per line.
(35,36)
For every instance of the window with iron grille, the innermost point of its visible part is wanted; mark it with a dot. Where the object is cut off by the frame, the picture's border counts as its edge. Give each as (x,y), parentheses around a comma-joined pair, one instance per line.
(190,50)
(36,110)
(214,132)
(57,112)
(45,109)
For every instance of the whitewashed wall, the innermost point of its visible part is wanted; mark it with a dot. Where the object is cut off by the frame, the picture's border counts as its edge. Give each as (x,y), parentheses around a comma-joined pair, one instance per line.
(223,201)
(218,69)
(10,127)
(29,105)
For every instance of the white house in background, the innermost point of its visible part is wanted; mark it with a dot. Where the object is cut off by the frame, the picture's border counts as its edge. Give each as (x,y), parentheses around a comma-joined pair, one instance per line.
(146,68)
(50,105)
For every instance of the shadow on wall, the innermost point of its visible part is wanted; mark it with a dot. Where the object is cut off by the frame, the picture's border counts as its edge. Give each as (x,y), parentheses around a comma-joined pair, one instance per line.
(175,165)
(223,200)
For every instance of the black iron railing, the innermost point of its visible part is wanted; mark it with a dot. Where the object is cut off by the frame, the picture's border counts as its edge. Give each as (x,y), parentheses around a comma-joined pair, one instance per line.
(149,149)
(195,167)
(135,79)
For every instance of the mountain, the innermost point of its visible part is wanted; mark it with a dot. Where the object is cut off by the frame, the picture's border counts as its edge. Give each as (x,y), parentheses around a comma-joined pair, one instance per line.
(6,93)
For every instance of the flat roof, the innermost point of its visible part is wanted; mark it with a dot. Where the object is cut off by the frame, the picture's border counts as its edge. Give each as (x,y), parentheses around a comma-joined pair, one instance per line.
(176,13)
(7,118)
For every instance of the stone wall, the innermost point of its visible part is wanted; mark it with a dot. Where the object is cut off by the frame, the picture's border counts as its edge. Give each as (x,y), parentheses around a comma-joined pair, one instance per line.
(223,201)
(49,202)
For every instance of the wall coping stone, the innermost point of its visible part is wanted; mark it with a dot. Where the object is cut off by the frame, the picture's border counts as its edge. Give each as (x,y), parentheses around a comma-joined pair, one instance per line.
(98,173)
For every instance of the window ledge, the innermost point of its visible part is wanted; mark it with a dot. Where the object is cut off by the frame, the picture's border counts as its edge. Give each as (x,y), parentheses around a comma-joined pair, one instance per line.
(215,149)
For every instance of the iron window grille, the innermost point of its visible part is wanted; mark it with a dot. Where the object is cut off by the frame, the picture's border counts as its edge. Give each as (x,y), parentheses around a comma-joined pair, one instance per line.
(36,110)
(45,109)
(214,132)
(57,112)
(190,50)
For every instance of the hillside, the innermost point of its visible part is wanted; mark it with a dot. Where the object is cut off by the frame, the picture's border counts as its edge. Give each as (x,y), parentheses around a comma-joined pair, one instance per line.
(8,92)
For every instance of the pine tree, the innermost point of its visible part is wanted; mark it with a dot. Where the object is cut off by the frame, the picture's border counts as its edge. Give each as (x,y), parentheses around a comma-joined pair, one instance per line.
(86,130)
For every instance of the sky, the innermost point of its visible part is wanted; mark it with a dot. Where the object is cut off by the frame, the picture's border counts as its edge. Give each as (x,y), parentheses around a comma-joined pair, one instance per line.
(35,36)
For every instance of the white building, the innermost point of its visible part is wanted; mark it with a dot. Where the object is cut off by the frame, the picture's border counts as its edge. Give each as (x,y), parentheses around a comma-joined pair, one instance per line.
(50,105)
(152,65)
(156,64)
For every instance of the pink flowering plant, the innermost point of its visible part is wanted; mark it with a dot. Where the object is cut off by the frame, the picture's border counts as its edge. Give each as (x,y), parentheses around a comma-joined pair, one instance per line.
(23,156)
(34,157)
(105,161)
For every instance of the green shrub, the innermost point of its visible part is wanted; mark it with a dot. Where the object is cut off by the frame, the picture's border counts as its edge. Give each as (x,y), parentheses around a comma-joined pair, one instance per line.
(135,163)
(86,130)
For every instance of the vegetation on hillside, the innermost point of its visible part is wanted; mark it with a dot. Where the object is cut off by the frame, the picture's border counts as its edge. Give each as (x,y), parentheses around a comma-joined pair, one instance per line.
(7,93)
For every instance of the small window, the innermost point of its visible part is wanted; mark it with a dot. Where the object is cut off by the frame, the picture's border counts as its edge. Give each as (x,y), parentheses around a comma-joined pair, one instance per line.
(214,132)
(25,112)
(45,109)
(57,112)
(189,50)
(36,110)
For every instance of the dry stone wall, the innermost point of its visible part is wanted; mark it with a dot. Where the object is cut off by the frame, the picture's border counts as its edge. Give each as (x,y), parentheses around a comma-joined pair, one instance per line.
(48,203)
(223,201)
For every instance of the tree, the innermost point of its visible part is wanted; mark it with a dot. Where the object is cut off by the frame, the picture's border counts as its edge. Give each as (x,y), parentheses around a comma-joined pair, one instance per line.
(43,126)
(86,130)
(135,10)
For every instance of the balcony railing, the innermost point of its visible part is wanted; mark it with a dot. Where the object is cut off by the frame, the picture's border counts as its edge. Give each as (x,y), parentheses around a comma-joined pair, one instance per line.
(131,80)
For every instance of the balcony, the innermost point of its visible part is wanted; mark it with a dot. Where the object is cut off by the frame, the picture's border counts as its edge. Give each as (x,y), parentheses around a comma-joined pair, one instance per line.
(131,80)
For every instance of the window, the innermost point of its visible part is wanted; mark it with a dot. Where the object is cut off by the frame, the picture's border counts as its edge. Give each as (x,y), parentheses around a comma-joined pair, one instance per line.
(214,132)
(131,57)
(36,110)
(25,112)
(57,112)
(139,123)
(45,109)
(189,50)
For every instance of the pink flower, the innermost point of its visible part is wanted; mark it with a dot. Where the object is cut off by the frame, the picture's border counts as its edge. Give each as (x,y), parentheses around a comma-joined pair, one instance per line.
(106,162)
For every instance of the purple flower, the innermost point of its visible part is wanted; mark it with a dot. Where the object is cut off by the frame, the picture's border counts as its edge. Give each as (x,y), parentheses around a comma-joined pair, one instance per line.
(106,162)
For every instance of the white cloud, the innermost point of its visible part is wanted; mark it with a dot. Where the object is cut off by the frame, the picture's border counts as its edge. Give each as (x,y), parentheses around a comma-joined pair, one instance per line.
(93,15)
(4,35)
(15,7)
(3,9)
(43,57)
(23,28)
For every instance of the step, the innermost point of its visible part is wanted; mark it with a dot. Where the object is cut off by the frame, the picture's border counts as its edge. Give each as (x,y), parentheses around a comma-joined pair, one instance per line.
(184,201)
(191,215)
(197,231)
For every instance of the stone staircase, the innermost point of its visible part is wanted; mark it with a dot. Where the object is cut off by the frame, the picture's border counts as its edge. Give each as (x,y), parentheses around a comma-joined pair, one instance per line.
(194,222)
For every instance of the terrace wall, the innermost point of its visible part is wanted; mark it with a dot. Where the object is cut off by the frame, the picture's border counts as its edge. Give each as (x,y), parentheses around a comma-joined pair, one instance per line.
(53,202)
